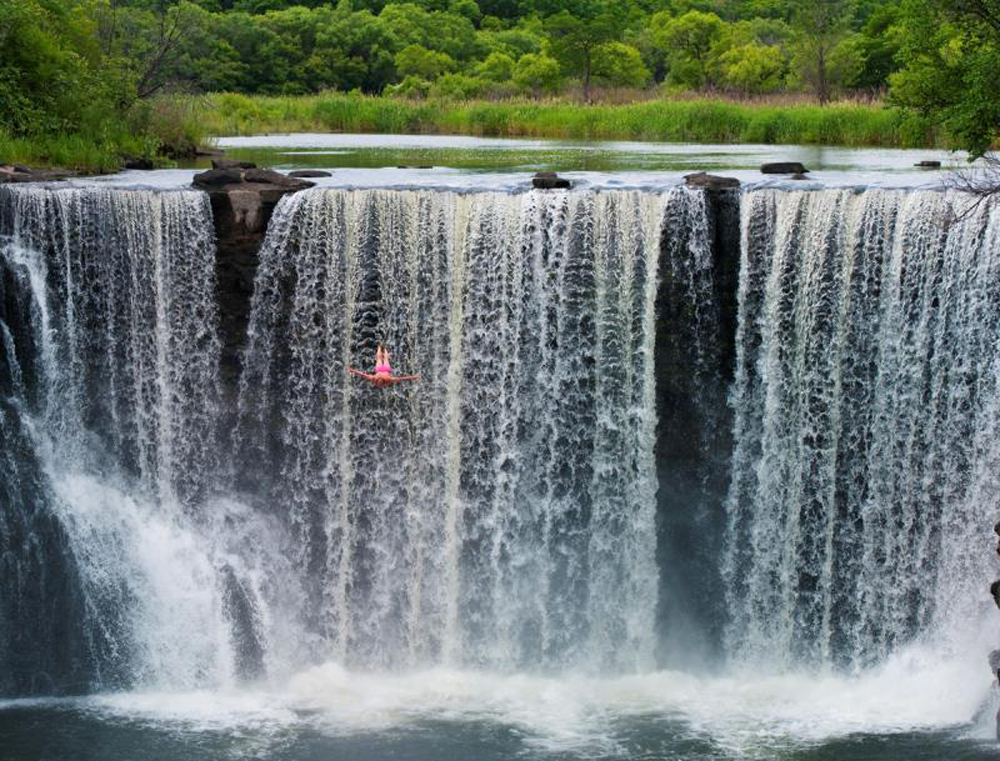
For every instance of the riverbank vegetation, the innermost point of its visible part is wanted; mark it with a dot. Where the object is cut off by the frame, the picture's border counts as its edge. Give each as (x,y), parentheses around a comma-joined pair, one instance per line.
(90,83)
(688,120)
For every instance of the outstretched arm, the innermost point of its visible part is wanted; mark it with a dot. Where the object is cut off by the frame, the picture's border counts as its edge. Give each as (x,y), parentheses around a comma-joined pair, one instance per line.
(406,377)
(360,374)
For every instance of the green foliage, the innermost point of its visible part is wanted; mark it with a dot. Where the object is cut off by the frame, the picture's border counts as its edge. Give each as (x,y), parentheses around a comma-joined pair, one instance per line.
(537,74)
(573,39)
(753,68)
(420,62)
(459,87)
(951,52)
(688,42)
(498,67)
(619,65)
(824,59)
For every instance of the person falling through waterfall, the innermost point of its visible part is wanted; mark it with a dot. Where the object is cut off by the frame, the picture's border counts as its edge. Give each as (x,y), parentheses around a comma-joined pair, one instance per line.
(382,376)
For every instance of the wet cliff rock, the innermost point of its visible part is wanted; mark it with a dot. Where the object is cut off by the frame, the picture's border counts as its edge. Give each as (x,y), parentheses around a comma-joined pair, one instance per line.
(243,198)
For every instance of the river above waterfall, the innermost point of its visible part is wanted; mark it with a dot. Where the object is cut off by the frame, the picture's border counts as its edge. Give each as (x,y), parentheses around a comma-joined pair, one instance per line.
(458,162)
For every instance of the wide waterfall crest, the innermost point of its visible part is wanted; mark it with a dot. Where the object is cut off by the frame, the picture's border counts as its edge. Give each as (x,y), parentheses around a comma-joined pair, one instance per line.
(863,486)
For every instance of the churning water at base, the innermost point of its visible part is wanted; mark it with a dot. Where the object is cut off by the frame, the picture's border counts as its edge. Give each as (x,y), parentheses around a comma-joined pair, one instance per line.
(301,565)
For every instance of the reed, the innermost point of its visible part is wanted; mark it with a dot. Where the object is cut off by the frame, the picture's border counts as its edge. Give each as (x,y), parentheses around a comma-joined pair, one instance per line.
(698,120)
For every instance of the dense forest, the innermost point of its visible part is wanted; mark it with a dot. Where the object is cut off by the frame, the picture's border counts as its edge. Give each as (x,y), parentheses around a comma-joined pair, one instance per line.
(104,67)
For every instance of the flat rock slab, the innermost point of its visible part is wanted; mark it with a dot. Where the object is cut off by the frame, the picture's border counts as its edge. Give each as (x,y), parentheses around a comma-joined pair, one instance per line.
(19,173)
(239,179)
(783,167)
(710,181)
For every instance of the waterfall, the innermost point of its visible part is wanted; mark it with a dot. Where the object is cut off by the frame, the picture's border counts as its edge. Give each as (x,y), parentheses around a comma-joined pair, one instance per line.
(109,327)
(564,490)
(866,398)
(500,512)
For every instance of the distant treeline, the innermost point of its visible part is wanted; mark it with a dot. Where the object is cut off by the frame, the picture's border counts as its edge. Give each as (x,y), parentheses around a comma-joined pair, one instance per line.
(101,70)
(502,48)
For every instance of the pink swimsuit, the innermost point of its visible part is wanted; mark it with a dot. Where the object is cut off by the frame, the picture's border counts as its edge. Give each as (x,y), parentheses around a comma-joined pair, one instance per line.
(383,369)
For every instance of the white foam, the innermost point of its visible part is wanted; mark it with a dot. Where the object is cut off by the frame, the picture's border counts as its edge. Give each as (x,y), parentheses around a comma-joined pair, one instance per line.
(746,715)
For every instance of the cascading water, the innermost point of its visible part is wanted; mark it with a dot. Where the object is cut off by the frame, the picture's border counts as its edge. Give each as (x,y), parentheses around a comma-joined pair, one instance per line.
(866,398)
(109,419)
(501,512)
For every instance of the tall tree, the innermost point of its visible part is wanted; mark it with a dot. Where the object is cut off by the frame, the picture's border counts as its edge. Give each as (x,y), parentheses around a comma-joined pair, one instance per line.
(820,27)
(574,37)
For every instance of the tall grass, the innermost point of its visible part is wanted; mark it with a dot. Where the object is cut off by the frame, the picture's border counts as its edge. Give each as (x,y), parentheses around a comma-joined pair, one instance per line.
(156,129)
(706,121)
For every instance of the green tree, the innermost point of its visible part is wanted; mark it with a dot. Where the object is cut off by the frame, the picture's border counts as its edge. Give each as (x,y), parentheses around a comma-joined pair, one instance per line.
(423,63)
(574,38)
(497,67)
(878,48)
(951,55)
(537,74)
(619,65)
(53,77)
(689,43)
(753,68)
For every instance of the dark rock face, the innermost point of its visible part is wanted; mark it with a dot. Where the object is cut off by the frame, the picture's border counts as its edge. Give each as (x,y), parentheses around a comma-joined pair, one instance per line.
(929,164)
(19,173)
(710,181)
(783,167)
(143,164)
(549,181)
(310,173)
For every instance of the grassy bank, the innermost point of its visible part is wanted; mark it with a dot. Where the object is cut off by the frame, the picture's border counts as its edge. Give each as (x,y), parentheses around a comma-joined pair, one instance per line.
(156,129)
(705,121)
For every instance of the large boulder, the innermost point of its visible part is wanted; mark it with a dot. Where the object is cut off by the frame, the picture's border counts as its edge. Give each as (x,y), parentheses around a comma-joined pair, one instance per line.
(143,164)
(549,181)
(218,178)
(783,167)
